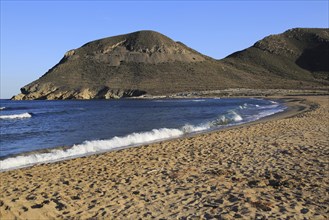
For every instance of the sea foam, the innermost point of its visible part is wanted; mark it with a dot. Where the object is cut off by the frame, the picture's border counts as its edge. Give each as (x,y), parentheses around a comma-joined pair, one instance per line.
(96,146)
(134,139)
(230,117)
(16,116)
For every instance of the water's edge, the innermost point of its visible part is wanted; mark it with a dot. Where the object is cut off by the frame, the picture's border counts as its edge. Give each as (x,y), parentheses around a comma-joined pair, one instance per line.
(294,106)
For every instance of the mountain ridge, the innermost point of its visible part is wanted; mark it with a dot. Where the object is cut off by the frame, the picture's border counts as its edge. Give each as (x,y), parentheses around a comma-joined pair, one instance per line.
(148,62)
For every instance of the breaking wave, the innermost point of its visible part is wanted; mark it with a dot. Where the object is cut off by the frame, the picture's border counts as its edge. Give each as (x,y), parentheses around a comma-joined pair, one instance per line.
(2,108)
(97,146)
(244,106)
(16,116)
(231,117)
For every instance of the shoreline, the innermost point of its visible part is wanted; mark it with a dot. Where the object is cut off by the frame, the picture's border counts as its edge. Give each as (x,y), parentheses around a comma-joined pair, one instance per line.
(294,106)
(276,168)
(221,93)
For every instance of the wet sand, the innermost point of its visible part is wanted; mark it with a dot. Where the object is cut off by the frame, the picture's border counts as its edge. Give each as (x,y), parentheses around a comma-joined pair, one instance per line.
(277,168)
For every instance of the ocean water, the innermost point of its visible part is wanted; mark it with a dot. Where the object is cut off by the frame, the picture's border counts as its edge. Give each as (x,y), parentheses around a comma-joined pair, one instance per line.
(88,127)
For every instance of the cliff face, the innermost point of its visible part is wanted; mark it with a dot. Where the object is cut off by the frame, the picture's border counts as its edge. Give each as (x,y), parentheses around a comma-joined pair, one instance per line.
(149,62)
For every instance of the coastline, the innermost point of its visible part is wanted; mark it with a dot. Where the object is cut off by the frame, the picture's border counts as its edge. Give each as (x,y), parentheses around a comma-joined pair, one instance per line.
(293,106)
(248,170)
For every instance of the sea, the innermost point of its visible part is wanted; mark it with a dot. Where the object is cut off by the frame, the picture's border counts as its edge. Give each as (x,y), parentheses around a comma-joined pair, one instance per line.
(45,131)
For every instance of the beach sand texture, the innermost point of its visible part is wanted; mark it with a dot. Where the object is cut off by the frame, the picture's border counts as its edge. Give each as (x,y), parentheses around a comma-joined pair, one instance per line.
(270,170)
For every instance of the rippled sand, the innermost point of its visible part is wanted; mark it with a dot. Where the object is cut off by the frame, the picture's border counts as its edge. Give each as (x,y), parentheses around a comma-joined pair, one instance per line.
(273,169)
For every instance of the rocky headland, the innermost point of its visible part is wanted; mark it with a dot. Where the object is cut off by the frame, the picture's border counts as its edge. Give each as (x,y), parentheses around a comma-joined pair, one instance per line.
(147,62)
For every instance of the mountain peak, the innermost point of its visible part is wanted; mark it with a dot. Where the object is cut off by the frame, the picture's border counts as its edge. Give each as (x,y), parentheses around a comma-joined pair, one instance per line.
(147,40)
(138,47)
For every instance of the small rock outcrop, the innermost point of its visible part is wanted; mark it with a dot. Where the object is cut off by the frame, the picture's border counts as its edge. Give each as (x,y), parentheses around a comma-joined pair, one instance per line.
(51,92)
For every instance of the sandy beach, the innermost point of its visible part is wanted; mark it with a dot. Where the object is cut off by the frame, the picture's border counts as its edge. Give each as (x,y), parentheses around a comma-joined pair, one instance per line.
(273,169)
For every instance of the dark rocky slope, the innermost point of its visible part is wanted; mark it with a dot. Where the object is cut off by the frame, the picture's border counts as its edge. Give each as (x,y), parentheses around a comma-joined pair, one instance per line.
(297,58)
(147,62)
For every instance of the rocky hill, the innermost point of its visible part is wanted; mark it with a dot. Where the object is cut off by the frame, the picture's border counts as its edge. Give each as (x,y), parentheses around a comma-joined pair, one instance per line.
(297,56)
(147,62)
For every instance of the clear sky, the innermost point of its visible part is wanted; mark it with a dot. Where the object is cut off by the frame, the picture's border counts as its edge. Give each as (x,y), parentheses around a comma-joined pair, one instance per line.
(36,34)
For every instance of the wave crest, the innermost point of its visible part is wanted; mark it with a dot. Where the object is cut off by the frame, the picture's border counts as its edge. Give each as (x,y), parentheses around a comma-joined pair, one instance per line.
(16,116)
(134,139)
(230,117)
(91,147)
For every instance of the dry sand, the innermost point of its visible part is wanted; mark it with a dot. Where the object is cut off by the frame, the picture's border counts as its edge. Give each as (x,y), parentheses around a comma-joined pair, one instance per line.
(270,170)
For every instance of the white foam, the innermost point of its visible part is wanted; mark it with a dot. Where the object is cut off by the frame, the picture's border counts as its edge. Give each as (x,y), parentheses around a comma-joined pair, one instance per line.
(228,118)
(244,106)
(266,113)
(134,139)
(91,147)
(198,100)
(2,108)
(236,117)
(17,116)
(191,128)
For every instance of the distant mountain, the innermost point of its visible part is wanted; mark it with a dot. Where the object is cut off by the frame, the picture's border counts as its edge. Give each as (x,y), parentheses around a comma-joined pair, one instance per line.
(147,62)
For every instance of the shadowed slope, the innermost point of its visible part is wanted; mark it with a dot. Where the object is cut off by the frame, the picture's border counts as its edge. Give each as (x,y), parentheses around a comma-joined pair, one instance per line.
(298,54)
(149,62)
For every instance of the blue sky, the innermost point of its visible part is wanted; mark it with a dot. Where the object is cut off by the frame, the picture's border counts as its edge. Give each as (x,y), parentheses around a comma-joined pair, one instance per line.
(36,34)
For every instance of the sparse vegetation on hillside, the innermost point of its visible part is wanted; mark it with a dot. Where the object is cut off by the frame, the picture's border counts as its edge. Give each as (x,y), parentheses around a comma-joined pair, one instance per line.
(147,62)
